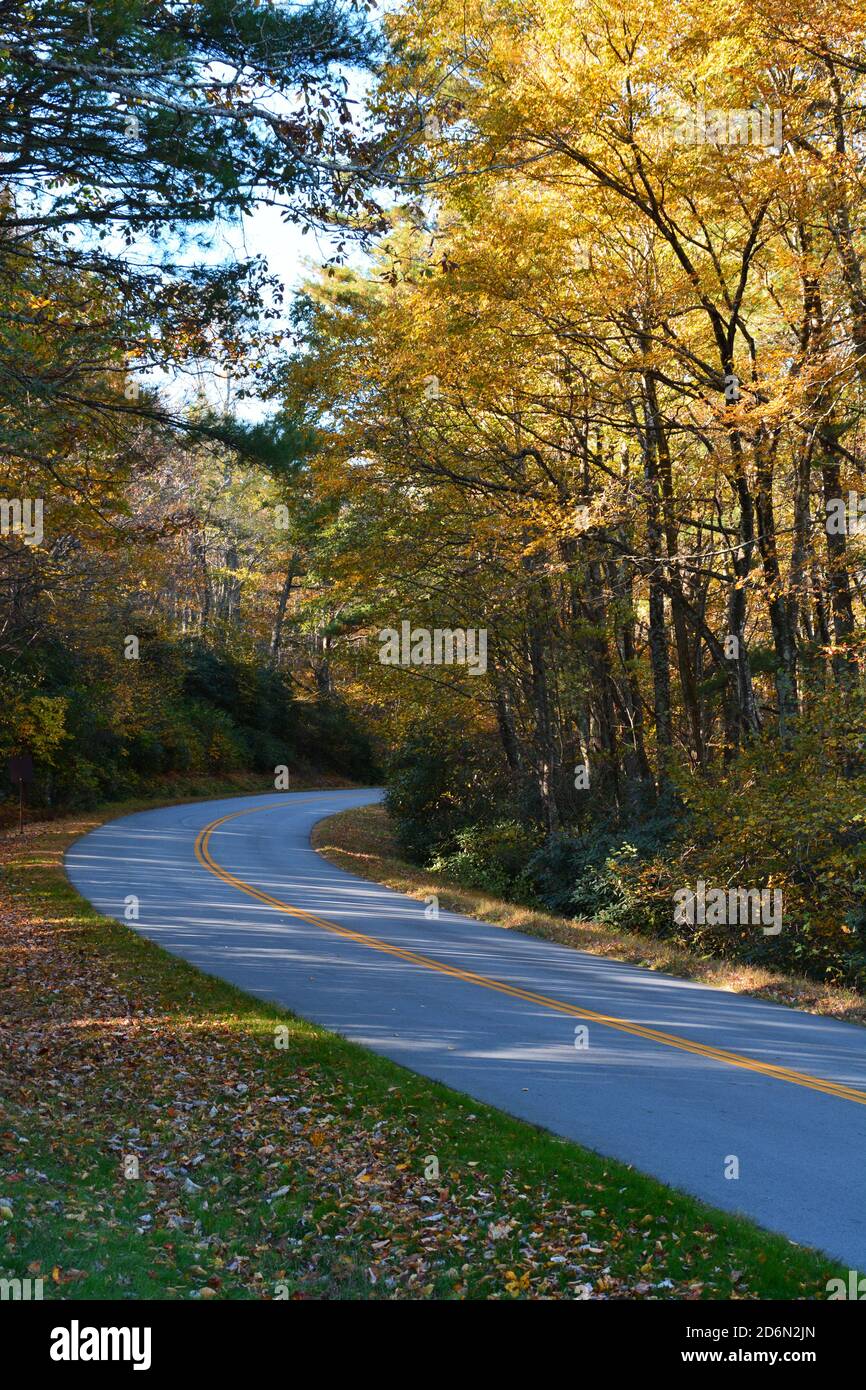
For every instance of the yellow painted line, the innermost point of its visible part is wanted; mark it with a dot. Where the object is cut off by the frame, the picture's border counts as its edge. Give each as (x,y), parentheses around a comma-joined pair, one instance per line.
(622,1025)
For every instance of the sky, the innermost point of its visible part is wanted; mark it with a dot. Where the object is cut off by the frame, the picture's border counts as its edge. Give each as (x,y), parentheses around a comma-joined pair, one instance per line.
(289,254)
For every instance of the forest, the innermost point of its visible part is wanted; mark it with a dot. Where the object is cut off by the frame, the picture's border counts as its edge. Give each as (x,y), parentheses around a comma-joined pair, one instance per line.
(577,381)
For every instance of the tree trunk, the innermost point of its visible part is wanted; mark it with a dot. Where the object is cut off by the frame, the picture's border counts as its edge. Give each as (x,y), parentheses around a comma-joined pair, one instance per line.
(277,633)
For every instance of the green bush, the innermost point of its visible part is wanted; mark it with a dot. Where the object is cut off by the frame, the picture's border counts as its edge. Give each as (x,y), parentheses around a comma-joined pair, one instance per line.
(491,858)
(588,875)
(186,709)
(440,783)
(80,784)
(325,733)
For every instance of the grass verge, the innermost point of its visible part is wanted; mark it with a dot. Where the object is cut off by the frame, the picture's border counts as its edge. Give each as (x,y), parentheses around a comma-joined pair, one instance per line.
(275,1160)
(362,842)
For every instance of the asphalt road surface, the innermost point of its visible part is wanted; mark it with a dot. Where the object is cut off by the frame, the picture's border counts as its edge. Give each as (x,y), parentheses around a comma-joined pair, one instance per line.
(676,1078)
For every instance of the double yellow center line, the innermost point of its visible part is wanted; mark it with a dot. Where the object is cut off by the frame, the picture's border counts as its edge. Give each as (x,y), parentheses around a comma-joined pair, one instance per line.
(622,1025)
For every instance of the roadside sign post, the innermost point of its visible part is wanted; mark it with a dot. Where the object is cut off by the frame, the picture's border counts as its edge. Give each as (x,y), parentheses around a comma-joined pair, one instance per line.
(21,771)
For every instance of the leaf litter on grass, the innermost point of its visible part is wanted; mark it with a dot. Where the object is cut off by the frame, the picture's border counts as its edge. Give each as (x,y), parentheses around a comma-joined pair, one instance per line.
(266,1172)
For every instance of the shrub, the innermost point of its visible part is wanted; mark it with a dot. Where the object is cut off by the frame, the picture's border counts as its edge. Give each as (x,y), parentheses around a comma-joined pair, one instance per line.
(491,858)
(591,875)
(440,783)
(781,818)
(100,727)
(329,736)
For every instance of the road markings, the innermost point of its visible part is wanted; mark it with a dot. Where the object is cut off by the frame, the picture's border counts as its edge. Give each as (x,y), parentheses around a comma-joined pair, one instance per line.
(638,1030)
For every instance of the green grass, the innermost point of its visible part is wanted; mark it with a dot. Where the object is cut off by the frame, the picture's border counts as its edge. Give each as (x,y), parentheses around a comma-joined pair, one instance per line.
(112,1047)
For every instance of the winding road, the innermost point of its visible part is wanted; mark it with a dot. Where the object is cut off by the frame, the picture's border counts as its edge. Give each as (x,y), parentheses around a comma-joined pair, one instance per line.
(686,1082)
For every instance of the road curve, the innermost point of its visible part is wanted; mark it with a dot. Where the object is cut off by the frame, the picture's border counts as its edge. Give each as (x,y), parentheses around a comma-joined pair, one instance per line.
(677,1078)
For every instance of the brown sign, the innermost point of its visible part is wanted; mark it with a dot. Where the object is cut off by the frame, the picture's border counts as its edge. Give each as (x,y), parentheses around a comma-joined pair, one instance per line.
(21,768)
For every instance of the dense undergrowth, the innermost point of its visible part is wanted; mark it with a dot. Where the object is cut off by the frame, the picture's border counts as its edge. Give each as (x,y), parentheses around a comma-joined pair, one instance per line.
(779,818)
(104,728)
